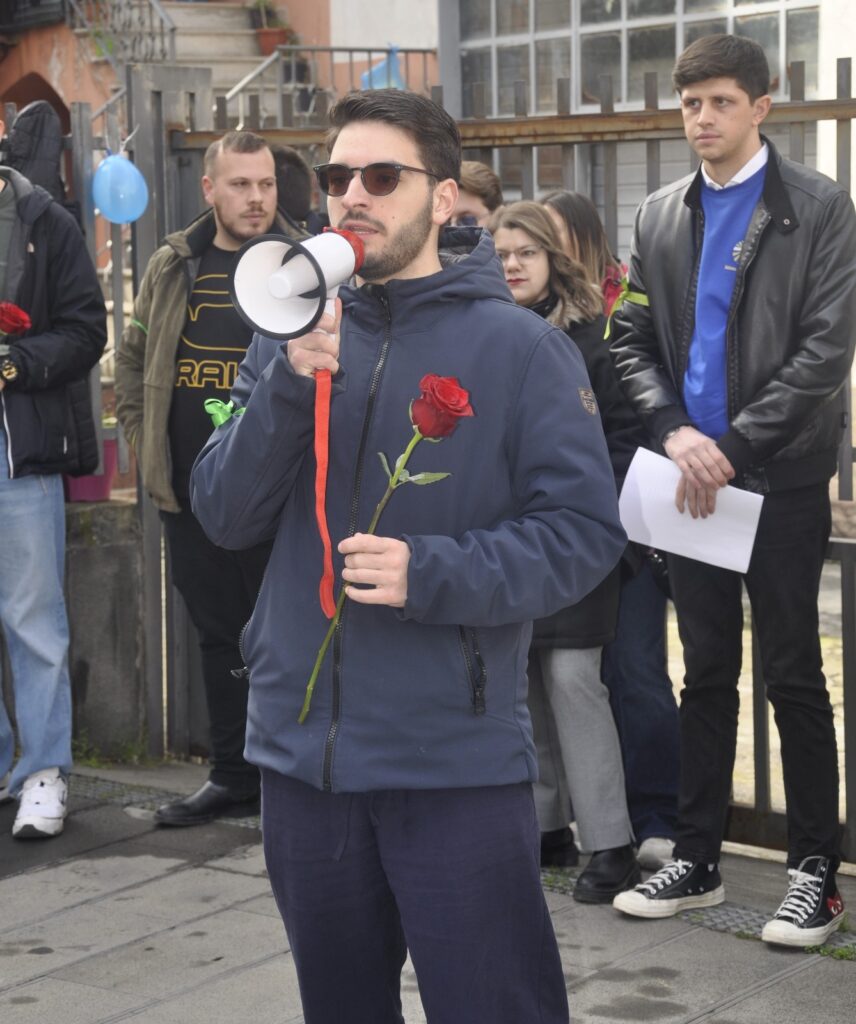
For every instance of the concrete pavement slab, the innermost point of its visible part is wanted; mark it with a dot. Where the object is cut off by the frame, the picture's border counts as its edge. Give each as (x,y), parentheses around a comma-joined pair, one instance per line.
(48,1001)
(264,992)
(178,959)
(691,975)
(822,993)
(193,893)
(248,860)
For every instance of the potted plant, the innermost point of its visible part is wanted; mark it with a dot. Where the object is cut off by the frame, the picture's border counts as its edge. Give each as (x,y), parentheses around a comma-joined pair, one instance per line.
(271,29)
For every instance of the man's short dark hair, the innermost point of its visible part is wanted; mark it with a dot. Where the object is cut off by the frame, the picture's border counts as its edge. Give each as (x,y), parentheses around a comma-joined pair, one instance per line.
(480,180)
(232,142)
(432,129)
(293,182)
(723,56)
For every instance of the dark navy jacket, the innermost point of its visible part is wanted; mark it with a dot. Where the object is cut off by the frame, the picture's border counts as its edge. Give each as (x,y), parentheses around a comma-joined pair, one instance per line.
(432,695)
(47,411)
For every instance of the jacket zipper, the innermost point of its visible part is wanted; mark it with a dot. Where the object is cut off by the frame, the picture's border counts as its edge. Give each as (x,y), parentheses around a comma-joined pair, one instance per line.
(476,671)
(243,672)
(374,385)
(8,438)
(736,296)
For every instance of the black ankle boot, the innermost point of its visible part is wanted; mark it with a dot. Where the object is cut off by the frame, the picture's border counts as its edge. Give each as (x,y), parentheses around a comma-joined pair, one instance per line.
(558,849)
(608,873)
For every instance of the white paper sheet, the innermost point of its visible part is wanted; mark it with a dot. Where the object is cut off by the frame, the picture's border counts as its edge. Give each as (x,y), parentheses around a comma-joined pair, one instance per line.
(649,516)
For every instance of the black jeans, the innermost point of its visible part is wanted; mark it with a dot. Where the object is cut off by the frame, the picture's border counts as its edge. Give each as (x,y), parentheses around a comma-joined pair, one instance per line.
(782,582)
(219,588)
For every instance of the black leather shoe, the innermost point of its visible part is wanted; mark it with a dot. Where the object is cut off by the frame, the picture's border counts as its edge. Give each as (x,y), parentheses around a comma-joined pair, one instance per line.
(558,849)
(608,873)
(206,804)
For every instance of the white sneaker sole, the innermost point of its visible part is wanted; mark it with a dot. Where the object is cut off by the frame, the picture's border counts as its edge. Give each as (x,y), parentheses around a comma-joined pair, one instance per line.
(37,828)
(638,905)
(783,933)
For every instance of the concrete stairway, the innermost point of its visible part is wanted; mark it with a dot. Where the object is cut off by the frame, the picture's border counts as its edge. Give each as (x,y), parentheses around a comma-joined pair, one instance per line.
(215,35)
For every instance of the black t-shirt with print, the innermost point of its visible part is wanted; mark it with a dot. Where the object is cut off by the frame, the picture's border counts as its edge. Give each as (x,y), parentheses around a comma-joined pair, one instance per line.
(210,349)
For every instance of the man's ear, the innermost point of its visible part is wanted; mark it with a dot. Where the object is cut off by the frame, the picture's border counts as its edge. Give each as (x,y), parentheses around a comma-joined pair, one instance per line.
(207,189)
(761,107)
(445,198)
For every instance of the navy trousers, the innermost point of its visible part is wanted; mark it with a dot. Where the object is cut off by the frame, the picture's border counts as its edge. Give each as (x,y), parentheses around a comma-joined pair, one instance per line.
(643,703)
(451,875)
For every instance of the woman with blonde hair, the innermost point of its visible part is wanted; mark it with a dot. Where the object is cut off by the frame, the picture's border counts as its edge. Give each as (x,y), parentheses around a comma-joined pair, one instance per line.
(579,756)
(634,666)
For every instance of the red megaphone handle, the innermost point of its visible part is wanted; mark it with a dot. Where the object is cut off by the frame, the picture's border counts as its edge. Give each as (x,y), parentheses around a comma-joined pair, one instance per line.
(323,382)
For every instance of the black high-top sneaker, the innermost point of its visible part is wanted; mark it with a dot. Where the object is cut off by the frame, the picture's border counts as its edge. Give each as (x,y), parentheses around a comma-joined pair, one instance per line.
(812,908)
(680,885)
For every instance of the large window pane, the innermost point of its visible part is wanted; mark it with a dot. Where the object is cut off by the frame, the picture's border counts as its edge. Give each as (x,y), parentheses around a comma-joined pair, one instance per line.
(512,16)
(599,10)
(512,65)
(696,29)
(601,55)
(650,49)
(475,68)
(802,45)
(552,14)
(764,29)
(645,8)
(696,6)
(474,17)
(552,61)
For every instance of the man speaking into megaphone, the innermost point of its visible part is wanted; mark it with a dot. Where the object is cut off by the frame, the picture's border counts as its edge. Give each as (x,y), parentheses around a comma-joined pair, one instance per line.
(468,491)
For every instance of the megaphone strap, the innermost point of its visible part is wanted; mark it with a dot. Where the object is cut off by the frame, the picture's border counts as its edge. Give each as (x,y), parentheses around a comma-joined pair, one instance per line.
(323,384)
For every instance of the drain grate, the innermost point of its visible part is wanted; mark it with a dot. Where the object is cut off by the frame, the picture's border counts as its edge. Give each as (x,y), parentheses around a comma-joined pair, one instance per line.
(730,918)
(107,791)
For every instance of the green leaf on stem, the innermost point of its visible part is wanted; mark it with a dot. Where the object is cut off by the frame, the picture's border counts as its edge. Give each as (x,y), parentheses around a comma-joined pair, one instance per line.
(385,465)
(427,478)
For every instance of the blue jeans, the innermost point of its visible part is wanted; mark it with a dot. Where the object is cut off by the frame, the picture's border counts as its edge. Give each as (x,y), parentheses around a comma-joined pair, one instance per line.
(643,702)
(32,610)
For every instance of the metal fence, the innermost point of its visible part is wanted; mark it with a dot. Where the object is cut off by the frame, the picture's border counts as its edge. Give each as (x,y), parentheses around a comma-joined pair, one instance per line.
(171,109)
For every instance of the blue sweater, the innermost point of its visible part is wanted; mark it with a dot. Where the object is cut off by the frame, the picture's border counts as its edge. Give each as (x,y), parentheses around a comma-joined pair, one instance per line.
(432,695)
(727,213)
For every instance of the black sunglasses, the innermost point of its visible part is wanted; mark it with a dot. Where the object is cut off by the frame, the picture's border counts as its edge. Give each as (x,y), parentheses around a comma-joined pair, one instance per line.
(377,179)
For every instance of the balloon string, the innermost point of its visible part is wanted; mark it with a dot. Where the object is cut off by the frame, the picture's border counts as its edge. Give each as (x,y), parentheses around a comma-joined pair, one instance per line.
(323,383)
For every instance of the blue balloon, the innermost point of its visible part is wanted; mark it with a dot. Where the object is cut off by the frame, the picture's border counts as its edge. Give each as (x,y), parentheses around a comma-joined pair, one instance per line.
(119,190)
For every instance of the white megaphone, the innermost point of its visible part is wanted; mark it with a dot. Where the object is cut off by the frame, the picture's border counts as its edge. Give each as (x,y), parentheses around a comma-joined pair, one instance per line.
(281,287)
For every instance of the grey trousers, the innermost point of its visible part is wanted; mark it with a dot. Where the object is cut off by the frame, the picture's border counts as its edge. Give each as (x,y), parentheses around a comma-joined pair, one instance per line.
(579,756)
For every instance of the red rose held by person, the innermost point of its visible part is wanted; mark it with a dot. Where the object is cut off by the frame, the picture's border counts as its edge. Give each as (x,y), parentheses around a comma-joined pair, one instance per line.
(443,402)
(13,320)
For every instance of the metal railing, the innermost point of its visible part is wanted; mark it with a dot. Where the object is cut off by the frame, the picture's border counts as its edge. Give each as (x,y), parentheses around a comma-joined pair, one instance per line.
(122,31)
(295,84)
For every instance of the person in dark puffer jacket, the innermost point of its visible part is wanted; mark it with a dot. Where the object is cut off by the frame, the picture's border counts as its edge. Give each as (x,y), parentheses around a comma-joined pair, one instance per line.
(575,733)
(46,430)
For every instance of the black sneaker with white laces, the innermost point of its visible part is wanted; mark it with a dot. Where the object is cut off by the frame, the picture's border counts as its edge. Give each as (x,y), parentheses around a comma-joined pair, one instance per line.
(680,885)
(812,908)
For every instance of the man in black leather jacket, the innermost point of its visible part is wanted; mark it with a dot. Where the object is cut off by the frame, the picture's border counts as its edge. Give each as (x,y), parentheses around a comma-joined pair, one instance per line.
(736,355)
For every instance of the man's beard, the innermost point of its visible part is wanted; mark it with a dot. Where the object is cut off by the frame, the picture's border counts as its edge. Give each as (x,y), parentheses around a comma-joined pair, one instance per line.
(401,249)
(238,231)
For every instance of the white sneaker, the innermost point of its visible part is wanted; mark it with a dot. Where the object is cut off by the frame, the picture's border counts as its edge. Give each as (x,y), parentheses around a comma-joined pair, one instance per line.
(655,853)
(5,795)
(42,807)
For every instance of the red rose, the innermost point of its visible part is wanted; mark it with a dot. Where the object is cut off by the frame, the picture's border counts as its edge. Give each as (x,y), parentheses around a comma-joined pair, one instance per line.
(443,402)
(13,320)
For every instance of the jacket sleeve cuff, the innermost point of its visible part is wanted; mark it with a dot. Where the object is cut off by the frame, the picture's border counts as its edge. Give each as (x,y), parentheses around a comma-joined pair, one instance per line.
(668,418)
(736,449)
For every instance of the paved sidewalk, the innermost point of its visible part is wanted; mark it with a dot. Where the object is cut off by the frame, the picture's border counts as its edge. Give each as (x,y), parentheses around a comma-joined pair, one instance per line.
(117,920)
